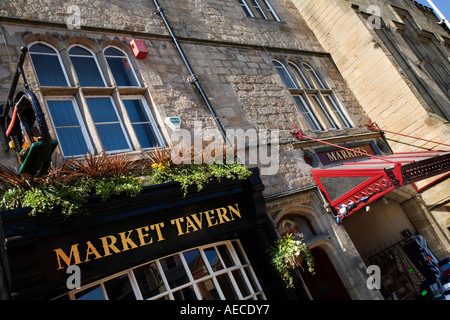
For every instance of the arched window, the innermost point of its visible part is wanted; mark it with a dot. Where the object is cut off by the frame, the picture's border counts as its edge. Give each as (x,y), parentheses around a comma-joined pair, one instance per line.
(300,75)
(91,118)
(318,83)
(296,225)
(314,99)
(284,74)
(86,67)
(120,67)
(48,66)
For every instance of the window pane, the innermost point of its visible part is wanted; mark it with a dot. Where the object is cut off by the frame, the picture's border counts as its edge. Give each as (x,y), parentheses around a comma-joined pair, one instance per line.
(338,112)
(287,79)
(48,70)
(72,142)
(102,110)
(318,83)
(245,8)
(241,283)
(185,294)
(223,250)
(208,290)
(87,71)
(227,287)
(93,293)
(107,123)
(119,289)
(300,76)
(149,280)
(306,112)
(121,68)
(112,137)
(238,250)
(251,279)
(320,109)
(142,124)
(196,264)
(174,271)
(41,48)
(68,128)
(213,259)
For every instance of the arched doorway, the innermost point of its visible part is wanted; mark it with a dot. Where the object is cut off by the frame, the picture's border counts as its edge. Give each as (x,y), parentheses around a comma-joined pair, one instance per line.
(325,284)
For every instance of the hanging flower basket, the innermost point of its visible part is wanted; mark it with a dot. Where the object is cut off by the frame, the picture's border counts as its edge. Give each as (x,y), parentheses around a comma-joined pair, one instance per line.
(287,255)
(294,262)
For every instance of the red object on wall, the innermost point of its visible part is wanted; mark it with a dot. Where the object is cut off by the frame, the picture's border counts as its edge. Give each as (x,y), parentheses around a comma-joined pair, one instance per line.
(139,49)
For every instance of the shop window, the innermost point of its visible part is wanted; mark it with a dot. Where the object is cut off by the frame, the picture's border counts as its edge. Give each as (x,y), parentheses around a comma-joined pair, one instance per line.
(258,9)
(47,64)
(120,67)
(315,100)
(220,271)
(94,117)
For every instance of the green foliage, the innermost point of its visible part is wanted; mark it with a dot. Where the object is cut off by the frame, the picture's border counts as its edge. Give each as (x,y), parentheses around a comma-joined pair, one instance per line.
(65,189)
(195,174)
(283,254)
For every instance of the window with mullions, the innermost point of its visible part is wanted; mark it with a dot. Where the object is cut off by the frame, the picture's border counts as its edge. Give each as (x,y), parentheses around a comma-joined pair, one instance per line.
(258,9)
(219,271)
(313,97)
(91,117)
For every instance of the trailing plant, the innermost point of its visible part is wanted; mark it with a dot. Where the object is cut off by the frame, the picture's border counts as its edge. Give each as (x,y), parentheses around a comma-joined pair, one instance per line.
(284,256)
(67,187)
(195,174)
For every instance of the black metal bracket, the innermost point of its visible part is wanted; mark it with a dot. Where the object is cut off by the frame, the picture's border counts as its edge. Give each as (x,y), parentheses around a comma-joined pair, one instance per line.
(19,72)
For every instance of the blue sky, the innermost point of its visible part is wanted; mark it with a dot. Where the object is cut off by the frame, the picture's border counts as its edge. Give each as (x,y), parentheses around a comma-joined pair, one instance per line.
(443,6)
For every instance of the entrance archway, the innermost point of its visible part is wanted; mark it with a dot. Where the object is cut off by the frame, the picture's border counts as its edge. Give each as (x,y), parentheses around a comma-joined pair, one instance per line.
(325,284)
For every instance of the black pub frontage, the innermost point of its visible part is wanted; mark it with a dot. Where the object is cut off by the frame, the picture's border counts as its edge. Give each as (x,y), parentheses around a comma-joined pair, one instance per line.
(157,245)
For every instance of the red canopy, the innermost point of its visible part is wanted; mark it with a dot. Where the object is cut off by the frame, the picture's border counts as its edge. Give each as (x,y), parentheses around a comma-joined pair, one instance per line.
(353,185)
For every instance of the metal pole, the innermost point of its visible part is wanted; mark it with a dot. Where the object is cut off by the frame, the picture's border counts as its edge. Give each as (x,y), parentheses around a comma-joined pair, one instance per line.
(439,13)
(191,72)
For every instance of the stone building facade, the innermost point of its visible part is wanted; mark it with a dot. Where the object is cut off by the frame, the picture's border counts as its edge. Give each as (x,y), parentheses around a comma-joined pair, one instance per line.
(261,68)
(382,45)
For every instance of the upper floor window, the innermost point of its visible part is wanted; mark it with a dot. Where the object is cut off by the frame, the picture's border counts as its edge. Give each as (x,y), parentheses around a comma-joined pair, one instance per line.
(92,117)
(120,68)
(258,9)
(44,56)
(313,97)
(86,67)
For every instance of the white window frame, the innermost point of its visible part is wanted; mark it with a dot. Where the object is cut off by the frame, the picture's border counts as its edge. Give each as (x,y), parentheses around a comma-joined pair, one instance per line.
(129,62)
(241,266)
(271,10)
(61,64)
(246,8)
(84,131)
(105,84)
(152,121)
(127,138)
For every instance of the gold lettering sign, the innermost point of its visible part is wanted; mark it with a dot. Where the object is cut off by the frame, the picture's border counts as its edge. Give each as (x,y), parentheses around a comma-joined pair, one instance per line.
(145,235)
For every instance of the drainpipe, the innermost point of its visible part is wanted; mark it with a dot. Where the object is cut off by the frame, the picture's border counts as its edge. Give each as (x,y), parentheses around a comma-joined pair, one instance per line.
(191,72)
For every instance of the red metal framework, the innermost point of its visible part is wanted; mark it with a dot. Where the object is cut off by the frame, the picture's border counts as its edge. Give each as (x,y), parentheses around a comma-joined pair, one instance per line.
(353,185)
